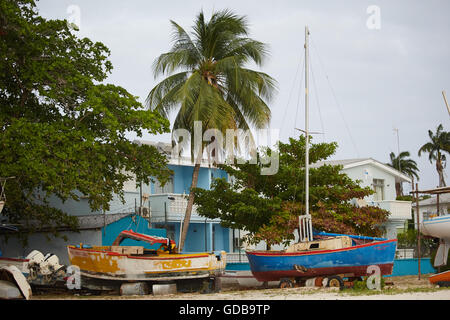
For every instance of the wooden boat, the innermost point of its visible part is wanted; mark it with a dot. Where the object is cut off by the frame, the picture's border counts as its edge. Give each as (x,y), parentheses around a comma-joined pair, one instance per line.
(330,255)
(439,227)
(135,263)
(12,281)
(442,279)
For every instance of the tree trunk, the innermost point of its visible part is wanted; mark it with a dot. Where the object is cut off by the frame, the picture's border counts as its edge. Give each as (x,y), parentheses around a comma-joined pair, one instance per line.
(187,216)
(398,189)
(440,170)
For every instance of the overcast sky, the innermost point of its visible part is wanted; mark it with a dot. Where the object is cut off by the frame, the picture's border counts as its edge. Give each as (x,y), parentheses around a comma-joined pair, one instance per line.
(368,77)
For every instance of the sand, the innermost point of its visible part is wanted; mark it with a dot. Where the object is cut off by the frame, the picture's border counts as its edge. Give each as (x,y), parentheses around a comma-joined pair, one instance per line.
(398,288)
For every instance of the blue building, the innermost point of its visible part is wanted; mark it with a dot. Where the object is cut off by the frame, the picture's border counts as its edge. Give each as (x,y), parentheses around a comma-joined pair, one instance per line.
(151,209)
(167,205)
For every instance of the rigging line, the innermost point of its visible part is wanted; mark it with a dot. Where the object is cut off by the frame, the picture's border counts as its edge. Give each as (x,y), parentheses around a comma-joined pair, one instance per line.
(295,124)
(298,97)
(335,99)
(292,89)
(297,107)
(316,95)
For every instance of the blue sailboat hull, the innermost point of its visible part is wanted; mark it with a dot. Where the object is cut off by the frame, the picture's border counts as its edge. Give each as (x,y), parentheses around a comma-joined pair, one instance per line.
(352,261)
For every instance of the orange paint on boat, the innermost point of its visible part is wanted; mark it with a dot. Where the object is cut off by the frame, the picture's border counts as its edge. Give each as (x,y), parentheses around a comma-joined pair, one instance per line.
(440,277)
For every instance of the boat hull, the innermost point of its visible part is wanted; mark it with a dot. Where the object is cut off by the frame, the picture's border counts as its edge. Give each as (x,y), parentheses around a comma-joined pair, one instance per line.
(109,265)
(438,227)
(442,278)
(353,261)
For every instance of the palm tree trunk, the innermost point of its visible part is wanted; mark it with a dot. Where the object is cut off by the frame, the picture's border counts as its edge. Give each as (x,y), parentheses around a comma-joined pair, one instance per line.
(440,170)
(187,215)
(398,189)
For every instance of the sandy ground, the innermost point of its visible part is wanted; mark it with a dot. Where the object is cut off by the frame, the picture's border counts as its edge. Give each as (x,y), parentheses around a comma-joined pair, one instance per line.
(400,288)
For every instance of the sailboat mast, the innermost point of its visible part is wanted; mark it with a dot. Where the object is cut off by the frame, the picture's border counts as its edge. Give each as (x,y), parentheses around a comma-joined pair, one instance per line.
(306,122)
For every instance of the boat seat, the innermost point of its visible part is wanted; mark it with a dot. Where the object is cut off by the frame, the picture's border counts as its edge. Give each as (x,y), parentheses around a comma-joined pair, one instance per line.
(128,249)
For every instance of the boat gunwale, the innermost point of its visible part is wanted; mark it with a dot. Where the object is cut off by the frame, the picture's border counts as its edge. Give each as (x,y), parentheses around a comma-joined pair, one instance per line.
(440,274)
(14,259)
(430,222)
(165,257)
(308,252)
(444,217)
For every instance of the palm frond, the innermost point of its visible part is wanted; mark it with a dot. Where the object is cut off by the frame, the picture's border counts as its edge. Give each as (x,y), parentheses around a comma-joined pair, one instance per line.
(212,84)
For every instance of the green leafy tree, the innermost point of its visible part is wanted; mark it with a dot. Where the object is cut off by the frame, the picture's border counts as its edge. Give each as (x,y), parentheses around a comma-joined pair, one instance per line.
(62,130)
(404,165)
(268,206)
(207,81)
(437,146)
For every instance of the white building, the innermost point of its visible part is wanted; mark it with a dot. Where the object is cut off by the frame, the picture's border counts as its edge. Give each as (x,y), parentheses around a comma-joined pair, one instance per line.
(381,178)
(428,207)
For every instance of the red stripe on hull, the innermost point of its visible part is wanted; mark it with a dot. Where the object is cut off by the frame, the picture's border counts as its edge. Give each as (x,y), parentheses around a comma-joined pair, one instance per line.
(356,271)
(172,256)
(302,253)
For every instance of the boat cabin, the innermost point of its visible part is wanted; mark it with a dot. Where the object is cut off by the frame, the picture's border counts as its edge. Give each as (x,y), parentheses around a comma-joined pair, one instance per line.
(322,244)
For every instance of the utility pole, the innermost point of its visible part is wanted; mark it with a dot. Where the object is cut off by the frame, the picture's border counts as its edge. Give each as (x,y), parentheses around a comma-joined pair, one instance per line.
(306,120)
(418,229)
(398,150)
(445,100)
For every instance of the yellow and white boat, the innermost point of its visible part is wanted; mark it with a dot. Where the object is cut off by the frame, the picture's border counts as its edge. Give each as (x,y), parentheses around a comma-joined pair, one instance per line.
(135,263)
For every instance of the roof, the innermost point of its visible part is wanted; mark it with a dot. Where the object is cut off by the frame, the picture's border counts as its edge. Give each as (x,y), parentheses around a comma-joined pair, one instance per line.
(88,221)
(443,198)
(96,221)
(441,190)
(351,163)
(166,148)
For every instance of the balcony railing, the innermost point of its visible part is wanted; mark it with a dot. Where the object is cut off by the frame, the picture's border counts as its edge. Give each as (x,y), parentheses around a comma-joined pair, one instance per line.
(171,207)
(398,209)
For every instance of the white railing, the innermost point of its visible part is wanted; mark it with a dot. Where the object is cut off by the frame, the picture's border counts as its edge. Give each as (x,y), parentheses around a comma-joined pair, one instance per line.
(398,209)
(305,228)
(404,254)
(172,207)
(235,257)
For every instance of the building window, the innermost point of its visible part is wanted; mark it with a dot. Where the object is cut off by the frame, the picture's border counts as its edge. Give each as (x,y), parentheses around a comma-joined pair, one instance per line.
(237,245)
(378,187)
(168,187)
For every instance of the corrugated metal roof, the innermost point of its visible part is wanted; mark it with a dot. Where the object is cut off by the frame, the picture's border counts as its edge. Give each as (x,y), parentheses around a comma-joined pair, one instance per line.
(348,163)
(343,162)
(89,221)
(443,198)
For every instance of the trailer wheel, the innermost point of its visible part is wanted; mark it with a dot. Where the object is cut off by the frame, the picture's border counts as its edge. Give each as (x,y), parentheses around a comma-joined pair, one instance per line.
(286,283)
(336,282)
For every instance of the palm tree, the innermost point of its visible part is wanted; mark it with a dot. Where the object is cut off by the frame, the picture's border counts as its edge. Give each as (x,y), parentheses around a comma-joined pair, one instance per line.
(440,142)
(207,81)
(404,165)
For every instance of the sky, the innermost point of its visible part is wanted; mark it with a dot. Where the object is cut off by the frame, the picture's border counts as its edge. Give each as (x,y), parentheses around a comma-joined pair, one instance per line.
(375,66)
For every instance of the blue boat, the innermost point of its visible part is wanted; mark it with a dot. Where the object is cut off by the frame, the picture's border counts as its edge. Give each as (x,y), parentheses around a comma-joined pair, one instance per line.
(329,255)
(322,255)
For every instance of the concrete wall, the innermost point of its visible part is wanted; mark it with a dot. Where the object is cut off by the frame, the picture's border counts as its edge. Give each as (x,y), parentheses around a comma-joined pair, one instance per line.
(182,178)
(367,173)
(196,240)
(38,241)
(402,267)
(101,236)
(135,223)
